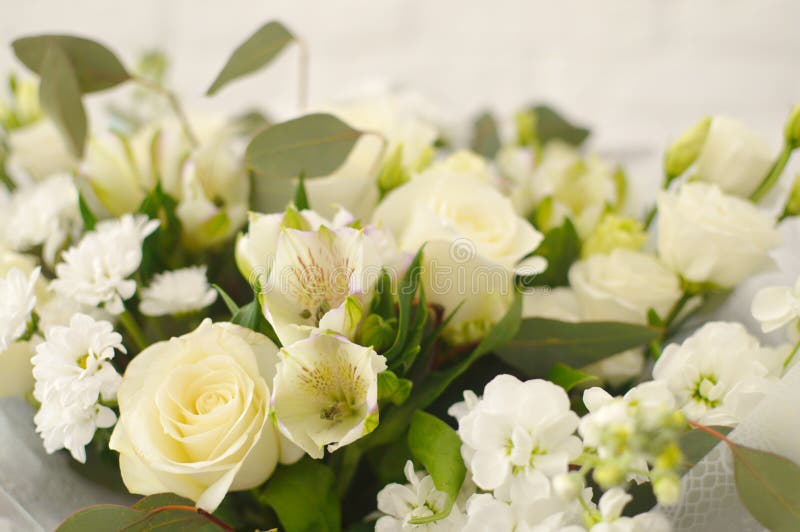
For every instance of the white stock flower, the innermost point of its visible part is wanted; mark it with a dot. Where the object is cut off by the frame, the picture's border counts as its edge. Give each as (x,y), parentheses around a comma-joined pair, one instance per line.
(610,507)
(623,285)
(194,415)
(733,157)
(44,213)
(17,300)
(73,372)
(546,514)
(419,498)
(518,437)
(778,306)
(177,292)
(719,373)
(707,236)
(96,271)
(325,392)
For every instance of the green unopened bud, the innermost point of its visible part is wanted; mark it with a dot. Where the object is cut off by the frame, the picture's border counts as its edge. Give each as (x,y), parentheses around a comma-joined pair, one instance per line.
(378,332)
(793,203)
(614,232)
(526,122)
(792,131)
(670,458)
(425,159)
(608,475)
(686,148)
(392,173)
(667,488)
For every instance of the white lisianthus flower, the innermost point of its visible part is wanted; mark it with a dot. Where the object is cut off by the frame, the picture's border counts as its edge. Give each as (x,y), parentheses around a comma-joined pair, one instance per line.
(326,392)
(733,157)
(17,300)
(474,239)
(707,236)
(719,373)
(96,271)
(778,306)
(16,376)
(73,372)
(38,151)
(194,415)
(177,292)
(44,213)
(623,285)
(518,437)
(419,498)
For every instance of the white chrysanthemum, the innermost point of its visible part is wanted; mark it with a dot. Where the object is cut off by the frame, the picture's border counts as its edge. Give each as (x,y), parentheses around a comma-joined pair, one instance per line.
(719,373)
(73,372)
(326,392)
(177,292)
(518,437)
(44,213)
(17,299)
(418,498)
(95,272)
(778,306)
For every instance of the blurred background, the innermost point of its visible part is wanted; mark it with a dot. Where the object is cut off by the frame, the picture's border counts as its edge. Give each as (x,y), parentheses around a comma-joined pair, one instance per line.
(637,73)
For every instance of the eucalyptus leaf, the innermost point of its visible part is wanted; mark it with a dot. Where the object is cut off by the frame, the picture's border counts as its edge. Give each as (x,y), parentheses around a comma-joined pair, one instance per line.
(438,448)
(550,125)
(561,247)
(60,97)
(485,136)
(568,378)
(696,443)
(253,54)
(313,145)
(96,67)
(159,500)
(151,513)
(768,486)
(542,343)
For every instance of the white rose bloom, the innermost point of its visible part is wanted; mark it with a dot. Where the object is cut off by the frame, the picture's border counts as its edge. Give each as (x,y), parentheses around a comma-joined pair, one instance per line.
(708,236)
(419,498)
(73,371)
(96,271)
(325,392)
(474,239)
(778,306)
(44,213)
(719,373)
(623,286)
(194,415)
(733,157)
(177,292)
(17,300)
(39,151)
(518,437)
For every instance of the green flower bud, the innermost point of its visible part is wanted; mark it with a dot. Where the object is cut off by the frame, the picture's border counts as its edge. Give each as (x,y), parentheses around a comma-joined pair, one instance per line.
(614,232)
(608,475)
(792,131)
(526,128)
(378,332)
(685,149)
(392,173)
(667,488)
(793,203)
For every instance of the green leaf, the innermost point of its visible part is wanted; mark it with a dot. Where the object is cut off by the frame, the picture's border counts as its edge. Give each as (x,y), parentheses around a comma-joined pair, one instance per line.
(146,515)
(233,308)
(383,300)
(313,145)
(303,496)
(159,500)
(561,247)
(87,216)
(60,98)
(551,125)
(696,443)
(769,487)
(392,388)
(251,317)
(159,249)
(300,196)
(406,290)
(438,448)
(542,342)
(568,378)
(485,137)
(96,67)
(253,54)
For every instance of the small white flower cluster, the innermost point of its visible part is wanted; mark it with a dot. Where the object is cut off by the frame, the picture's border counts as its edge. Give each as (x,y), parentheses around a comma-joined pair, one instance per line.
(74,376)
(17,301)
(779,306)
(177,292)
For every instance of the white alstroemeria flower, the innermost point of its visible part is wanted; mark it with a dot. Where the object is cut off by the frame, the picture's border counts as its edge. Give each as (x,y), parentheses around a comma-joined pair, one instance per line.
(96,271)
(418,498)
(719,373)
(518,437)
(73,372)
(17,300)
(778,306)
(45,213)
(177,292)
(326,392)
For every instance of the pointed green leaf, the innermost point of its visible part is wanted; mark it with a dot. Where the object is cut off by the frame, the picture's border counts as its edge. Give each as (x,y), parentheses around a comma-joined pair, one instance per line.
(406,290)
(87,216)
(438,448)
(568,378)
(60,97)
(96,67)
(561,247)
(485,136)
(253,54)
(300,196)
(251,317)
(313,145)
(769,487)
(550,125)
(233,308)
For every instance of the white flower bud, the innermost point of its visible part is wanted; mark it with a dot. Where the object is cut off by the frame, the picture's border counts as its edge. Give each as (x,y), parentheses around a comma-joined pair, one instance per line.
(568,486)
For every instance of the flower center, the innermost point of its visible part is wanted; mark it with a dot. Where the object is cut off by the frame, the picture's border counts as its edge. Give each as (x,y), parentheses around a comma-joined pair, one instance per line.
(706,391)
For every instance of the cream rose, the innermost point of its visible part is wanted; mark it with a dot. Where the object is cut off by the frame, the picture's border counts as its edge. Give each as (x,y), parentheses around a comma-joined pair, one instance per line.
(709,237)
(194,415)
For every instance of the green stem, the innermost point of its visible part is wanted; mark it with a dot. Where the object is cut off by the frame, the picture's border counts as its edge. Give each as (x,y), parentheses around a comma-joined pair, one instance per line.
(774,173)
(350,458)
(651,215)
(174,103)
(135,332)
(677,308)
(788,360)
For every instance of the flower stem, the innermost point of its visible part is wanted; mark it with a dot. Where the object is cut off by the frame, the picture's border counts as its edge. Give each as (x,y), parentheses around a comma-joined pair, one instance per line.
(789,359)
(774,173)
(135,332)
(174,103)
(677,308)
(651,215)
